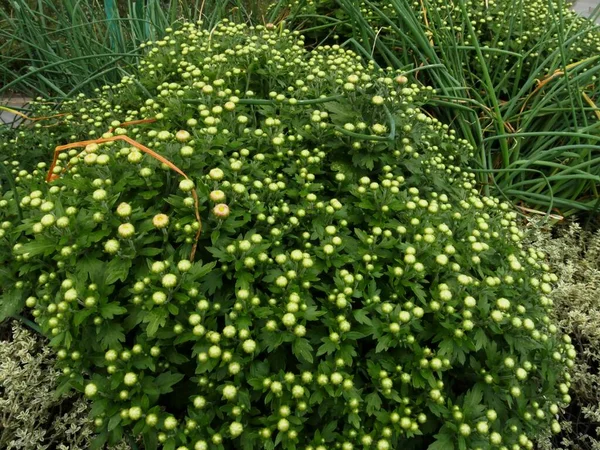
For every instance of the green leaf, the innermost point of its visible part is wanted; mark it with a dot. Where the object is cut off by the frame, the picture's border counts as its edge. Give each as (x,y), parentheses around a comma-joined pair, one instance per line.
(213,281)
(311,313)
(384,343)
(113,422)
(327,432)
(80,316)
(361,317)
(262,312)
(11,302)
(110,310)
(373,403)
(41,246)
(92,267)
(99,406)
(166,380)
(112,335)
(63,388)
(302,349)
(99,441)
(272,340)
(480,339)
(169,444)
(443,441)
(157,318)
(117,269)
(472,402)
(150,251)
(199,270)
(327,347)
(354,420)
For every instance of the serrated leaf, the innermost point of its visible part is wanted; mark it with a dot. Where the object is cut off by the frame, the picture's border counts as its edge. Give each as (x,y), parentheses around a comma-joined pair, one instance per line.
(302,349)
(213,281)
(200,270)
(112,335)
(472,405)
(92,267)
(98,407)
(166,380)
(248,443)
(110,310)
(177,358)
(117,269)
(354,335)
(361,317)
(383,343)
(63,388)
(480,339)
(327,432)
(373,403)
(443,441)
(311,313)
(316,398)
(157,318)
(11,302)
(256,382)
(272,340)
(327,347)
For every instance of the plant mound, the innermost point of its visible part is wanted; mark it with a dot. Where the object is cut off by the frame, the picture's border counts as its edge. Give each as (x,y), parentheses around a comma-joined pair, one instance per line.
(303,262)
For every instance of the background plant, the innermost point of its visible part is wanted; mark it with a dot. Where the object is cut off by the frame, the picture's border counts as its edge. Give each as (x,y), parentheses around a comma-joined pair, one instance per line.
(575,255)
(32,415)
(498,68)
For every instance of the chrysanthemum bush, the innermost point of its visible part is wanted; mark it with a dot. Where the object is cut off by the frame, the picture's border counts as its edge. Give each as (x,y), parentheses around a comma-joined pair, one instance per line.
(346,286)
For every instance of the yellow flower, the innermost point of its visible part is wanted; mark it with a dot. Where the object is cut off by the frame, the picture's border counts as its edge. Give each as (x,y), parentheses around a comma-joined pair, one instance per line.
(160,221)
(221,210)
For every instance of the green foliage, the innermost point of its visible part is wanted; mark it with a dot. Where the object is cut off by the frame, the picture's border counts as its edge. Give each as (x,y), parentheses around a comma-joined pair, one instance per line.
(536,142)
(32,417)
(60,48)
(349,285)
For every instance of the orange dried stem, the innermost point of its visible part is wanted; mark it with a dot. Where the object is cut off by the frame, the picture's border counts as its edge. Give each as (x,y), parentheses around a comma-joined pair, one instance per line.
(52,176)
